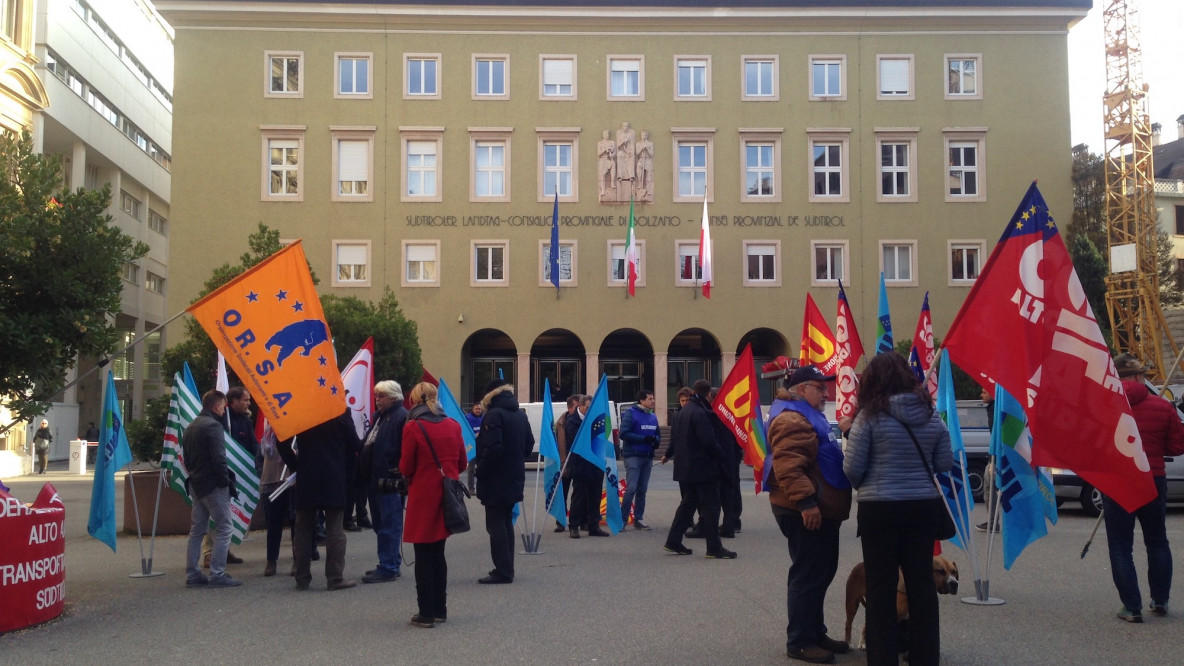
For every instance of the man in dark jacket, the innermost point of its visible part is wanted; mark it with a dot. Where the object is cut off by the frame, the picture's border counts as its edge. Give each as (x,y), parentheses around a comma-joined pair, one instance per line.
(319,461)
(502,446)
(238,422)
(380,468)
(209,490)
(586,479)
(639,437)
(698,467)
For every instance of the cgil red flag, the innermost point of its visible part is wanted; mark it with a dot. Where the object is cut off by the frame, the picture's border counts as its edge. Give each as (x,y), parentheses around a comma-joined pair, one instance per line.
(1028,326)
(849,349)
(922,352)
(738,406)
(818,343)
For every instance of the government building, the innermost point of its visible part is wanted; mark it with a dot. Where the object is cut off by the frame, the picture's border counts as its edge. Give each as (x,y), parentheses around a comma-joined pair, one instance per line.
(421,146)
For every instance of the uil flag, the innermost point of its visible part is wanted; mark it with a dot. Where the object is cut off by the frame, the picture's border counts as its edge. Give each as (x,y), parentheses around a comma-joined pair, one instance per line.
(818,343)
(114,454)
(883,322)
(738,406)
(1025,492)
(269,324)
(549,450)
(850,350)
(553,251)
(1027,325)
(453,411)
(953,483)
(921,354)
(705,251)
(593,443)
(631,263)
(358,380)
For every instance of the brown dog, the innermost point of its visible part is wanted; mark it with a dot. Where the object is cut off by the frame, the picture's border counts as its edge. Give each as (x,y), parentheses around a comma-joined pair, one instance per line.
(945,576)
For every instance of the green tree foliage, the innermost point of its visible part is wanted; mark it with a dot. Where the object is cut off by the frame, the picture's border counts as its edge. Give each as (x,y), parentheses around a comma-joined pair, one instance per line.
(1091,270)
(1089,197)
(396,338)
(965,388)
(61,259)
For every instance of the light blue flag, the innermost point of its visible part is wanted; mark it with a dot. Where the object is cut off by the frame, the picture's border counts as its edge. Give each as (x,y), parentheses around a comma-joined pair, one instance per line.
(188,375)
(953,482)
(593,444)
(549,450)
(1025,493)
(883,322)
(453,411)
(114,454)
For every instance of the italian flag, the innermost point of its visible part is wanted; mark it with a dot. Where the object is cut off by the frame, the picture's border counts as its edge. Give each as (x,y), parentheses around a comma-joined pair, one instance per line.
(705,252)
(631,269)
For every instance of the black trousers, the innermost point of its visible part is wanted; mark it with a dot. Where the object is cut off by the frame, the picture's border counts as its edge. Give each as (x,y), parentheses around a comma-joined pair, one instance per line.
(814,559)
(585,502)
(704,497)
(431,579)
(730,500)
(499,523)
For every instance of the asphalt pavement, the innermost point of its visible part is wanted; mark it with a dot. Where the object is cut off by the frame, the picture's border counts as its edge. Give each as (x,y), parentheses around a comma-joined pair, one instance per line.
(619,600)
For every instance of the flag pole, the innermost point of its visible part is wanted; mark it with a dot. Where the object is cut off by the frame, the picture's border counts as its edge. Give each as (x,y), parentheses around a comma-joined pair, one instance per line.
(146,563)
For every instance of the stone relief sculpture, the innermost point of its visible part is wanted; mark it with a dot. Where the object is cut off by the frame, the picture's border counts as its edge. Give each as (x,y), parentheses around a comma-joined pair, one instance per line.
(625,166)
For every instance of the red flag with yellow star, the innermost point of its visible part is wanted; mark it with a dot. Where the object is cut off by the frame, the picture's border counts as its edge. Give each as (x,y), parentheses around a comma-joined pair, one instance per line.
(269,325)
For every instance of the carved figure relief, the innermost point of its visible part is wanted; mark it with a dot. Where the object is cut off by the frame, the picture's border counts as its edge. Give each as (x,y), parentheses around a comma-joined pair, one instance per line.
(625,166)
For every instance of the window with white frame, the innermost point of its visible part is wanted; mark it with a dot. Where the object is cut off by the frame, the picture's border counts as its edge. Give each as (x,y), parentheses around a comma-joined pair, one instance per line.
(965,153)
(828,151)
(131,273)
(626,77)
(491,266)
(351,260)
(687,272)
(898,262)
(692,77)
(895,74)
(965,261)
(490,77)
(422,174)
(827,77)
(283,163)
(423,75)
(618,267)
(559,156)
(157,222)
(421,264)
(353,164)
(284,74)
(490,168)
(762,164)
(568,272)
(557,77)
(694,156)
(153,282)
(897,165)
(964,76)
(762,261)
(760,78)
(129,204)
(353,76)
(829,262)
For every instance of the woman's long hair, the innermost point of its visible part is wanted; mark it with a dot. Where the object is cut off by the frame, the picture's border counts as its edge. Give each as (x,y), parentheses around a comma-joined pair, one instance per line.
(887,375)
(425,394)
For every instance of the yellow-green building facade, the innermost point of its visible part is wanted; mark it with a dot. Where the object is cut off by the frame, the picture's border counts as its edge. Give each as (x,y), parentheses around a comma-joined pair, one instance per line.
(418,147)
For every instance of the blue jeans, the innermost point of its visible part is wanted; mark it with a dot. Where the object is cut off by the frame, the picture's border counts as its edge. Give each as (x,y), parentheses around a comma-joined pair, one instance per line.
(214,506)
(386,512)
(815,559)
(637,481)
(1120,537)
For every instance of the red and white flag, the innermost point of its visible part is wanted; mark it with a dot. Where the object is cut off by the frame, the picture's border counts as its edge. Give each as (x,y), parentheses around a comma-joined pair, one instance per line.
(1028,326)
(921,353)
(705,251)
(358,379)
(631,259)
(849,349)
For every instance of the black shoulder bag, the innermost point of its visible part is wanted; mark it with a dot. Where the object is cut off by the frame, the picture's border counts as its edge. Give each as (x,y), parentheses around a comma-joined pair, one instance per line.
(456,514)
(946,529)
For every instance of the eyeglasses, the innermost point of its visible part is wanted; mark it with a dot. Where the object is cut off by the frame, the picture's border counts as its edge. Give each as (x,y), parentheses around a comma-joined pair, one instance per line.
(818,385)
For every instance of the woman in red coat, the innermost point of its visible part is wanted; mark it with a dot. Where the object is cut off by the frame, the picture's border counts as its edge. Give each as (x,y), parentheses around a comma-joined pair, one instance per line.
(427,429)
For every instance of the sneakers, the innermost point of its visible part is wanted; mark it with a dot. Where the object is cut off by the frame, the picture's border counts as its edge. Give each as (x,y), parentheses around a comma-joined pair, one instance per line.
(422,622)
(1159,610)
(198,581)
(811,653)
(1126,615)
(223,581)
(378,576)
(831,645)
(721,554)
(695,533)
(677,549)
(638,525)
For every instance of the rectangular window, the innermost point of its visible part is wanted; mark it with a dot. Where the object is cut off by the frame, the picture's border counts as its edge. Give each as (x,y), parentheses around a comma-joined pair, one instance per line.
(353,75)
(283,164)
(489,77)
(1180,220)
(828,169)
(826,77)
(896,77)
(131,273)
(618,275)
(422,168)
(897,262)
(421,261)
(830,262)
(761,261)
(489,176)
(129,204)
(157,222)
(759,170)
(760,78)
(965,261)
(963,76)
(351,259)
(897,150)
(153,282)
(567,263)
(284,75)
(423,72)
(354,164)
(692,78)
(688,272)
(490,263)
(965,153)
(557,169)
(626,77)
(692,169)
(557,77)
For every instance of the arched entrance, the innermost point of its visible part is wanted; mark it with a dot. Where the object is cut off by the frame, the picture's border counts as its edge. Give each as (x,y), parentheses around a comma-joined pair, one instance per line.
(557,355)
(767,344)
(486,354)
(627,361)
(693,354)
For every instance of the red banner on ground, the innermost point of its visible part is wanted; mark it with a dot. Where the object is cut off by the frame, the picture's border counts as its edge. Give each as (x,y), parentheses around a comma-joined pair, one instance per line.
(33,559)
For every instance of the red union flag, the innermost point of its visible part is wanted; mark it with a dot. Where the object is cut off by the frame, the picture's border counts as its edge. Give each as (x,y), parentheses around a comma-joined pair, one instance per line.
(1028,326)
(818,343)
(738,405)
(921,353)
(849,350)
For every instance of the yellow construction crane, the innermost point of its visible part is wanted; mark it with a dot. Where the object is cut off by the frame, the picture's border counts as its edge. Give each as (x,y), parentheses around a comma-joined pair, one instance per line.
(1132,287)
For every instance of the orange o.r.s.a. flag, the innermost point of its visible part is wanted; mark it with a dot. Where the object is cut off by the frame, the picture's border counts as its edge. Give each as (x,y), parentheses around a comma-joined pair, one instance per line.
(269,325)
